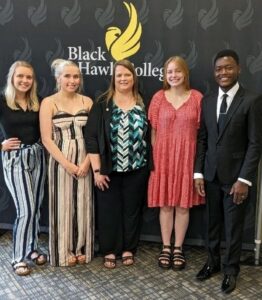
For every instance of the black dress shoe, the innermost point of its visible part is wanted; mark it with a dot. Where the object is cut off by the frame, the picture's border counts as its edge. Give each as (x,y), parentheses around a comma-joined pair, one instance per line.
(228,284)
(206,272)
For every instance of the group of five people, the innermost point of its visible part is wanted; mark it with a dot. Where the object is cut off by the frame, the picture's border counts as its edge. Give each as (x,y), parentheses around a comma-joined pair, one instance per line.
(215,139)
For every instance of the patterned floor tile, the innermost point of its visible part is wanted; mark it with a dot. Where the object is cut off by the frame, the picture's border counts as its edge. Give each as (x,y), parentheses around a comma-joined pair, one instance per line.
(144,280)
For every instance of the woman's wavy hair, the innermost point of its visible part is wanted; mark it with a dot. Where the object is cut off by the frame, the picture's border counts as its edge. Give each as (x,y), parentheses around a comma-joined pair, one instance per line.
(10,92)
(184,67)
(57,68)
(111,90)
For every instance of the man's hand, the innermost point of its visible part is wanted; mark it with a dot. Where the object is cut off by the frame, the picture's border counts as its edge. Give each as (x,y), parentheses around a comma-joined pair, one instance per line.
(200,186)
(239,191)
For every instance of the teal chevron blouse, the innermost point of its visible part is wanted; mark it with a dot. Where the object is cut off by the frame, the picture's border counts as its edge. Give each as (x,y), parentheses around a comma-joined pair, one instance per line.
(127,138)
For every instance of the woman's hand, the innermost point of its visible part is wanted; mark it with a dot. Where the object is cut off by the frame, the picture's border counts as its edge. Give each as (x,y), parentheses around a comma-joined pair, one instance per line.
(11,144)
(101,181)
(83,169)
(71,169)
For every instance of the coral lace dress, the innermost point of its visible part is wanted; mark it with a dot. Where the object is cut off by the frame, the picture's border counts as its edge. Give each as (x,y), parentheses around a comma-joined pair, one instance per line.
(171,181)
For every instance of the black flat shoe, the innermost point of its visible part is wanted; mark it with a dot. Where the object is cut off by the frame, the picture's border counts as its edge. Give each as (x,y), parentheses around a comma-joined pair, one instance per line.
(206,272)
(228,284)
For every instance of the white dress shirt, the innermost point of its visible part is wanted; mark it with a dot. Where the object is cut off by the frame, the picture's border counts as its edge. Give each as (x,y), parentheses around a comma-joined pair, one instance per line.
(230,96)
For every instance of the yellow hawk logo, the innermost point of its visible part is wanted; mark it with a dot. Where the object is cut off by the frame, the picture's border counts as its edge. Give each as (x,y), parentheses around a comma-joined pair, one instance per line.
(124,44)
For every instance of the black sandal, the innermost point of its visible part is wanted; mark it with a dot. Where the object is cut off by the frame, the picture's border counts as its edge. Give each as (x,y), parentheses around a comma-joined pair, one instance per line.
(164,258)
(38,258)
(109,263)
(128,260)
(21,269)
(179,260)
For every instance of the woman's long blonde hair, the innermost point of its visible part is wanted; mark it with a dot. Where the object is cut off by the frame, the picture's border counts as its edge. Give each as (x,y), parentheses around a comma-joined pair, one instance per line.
(57,68)
(10,92)
(111,90)
(184,67)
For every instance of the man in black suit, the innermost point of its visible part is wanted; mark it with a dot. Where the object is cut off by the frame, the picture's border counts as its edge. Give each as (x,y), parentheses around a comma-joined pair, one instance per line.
(228,152)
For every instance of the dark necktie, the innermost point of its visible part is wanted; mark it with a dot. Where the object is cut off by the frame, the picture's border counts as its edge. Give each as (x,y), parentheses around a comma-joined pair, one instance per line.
(222,113)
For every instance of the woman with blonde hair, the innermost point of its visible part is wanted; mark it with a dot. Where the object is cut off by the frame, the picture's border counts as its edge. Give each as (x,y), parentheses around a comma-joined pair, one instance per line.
(63,117)
(117,145)
(23,162)
(174,114)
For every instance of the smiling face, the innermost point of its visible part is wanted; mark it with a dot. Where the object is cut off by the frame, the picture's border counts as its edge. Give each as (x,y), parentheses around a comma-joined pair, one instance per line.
(70,79)
(226,72)
(23,79)
(124,79)
(175,76)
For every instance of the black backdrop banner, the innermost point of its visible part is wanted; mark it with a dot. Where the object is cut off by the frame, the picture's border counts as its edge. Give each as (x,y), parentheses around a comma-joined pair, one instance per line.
(96,33)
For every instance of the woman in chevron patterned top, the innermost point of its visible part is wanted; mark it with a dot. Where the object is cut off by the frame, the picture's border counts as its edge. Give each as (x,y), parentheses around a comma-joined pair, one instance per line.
(174,114)
(117,146)
(62,119)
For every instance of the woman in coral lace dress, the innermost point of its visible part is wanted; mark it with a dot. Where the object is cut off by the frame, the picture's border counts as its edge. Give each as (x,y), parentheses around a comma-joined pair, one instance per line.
(174,114)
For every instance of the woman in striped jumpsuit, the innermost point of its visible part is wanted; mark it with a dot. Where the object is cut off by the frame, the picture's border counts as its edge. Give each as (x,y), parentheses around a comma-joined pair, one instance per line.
(23,162)
(63,116)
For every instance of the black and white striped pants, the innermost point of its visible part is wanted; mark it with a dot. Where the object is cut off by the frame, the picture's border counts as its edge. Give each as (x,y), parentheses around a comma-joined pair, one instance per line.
(24,173)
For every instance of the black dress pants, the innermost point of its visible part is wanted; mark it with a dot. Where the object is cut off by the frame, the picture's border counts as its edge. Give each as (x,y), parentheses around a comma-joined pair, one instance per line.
(223,212)
(119,211)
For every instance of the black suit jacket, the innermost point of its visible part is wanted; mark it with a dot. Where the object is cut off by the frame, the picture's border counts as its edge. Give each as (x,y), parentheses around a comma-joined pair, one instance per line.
(236,151)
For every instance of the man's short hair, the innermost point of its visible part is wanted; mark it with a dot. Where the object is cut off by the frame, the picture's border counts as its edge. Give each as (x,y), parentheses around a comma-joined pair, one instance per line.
(227,52)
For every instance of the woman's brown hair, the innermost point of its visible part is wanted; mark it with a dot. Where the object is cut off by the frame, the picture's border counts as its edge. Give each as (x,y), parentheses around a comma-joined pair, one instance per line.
(184,67)
(111,90)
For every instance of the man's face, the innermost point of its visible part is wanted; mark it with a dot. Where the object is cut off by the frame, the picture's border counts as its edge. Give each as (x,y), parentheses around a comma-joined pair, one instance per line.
(226,72)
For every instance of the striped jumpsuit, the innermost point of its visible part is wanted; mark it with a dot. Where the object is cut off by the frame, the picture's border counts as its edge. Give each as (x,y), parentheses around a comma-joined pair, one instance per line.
(24,173)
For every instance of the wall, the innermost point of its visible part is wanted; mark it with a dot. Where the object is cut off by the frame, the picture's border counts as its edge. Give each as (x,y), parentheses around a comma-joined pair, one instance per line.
(41,30)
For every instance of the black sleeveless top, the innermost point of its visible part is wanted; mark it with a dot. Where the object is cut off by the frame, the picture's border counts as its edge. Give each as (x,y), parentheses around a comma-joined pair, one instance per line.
(21,124)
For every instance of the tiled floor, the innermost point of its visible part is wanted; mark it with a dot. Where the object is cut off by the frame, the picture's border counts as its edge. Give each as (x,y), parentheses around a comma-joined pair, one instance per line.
(144,280)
